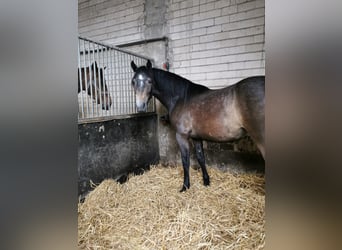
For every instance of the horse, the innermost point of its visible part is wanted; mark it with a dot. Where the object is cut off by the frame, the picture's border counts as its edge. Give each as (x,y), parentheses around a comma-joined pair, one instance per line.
(92,80)
(199,113)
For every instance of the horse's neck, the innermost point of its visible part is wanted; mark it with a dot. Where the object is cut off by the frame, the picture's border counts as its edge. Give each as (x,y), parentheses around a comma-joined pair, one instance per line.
(167,90)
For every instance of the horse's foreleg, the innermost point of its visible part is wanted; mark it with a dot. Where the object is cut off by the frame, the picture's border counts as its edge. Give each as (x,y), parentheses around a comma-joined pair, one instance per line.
(183,143)
(201,160)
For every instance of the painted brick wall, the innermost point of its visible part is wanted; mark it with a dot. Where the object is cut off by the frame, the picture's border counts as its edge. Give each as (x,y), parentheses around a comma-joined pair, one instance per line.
(212,42)
(217,42)
(114,21)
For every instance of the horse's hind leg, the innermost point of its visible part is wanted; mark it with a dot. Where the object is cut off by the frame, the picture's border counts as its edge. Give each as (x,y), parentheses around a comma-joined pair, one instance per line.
(201,160)
(183,143)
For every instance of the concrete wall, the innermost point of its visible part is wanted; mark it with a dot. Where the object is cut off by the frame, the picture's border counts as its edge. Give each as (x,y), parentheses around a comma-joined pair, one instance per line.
(211,42)
(111,149)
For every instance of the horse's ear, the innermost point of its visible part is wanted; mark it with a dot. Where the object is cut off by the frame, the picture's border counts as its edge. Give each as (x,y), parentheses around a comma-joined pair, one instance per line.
(149,64)
(134,67)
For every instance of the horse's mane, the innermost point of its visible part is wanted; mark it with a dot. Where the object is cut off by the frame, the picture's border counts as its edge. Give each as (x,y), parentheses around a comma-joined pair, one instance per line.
(174,83)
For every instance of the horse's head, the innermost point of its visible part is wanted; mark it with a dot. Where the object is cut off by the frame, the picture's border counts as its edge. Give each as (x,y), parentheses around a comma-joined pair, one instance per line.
(99,87)
(142,84)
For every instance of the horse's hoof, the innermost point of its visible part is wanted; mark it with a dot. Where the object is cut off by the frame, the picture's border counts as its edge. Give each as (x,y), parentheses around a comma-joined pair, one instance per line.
(184,188)
(206,182)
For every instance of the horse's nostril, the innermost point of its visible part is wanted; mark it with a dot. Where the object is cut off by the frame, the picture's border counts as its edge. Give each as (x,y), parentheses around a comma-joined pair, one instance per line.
(141,108)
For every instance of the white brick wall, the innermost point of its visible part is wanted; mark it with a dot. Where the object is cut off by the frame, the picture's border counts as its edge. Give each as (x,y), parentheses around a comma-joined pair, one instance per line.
(217,43)
(212,42)
(114,22)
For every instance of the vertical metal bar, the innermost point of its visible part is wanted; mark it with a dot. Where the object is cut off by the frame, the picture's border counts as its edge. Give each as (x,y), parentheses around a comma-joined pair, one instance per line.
(101,80)
(80,114)
(114,82)
(120,75)
(98,51)
(126,84)
(130,85)
(91,77)
(116,74)
(111,79)
(107,78)
(95,60)
(124,81)
(85,77)
(103,90)
(134,101)
(93,73)
(119,81)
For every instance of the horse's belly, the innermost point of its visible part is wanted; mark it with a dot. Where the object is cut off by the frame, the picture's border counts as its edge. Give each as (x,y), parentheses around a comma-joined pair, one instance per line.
(209,120)
(217,133)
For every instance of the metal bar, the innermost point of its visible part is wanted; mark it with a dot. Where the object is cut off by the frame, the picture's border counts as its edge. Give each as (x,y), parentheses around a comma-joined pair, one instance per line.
(116,73)
(122,98)
(129,58)
(98,55)
(103,88)
(90,82)
(145,41)
(80,83)
(85,79)
(112,80)
(118,49)
(108,68)
(95,78)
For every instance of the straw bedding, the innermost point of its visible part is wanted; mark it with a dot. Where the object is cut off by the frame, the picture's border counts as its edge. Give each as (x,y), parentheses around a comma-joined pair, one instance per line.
(149,212)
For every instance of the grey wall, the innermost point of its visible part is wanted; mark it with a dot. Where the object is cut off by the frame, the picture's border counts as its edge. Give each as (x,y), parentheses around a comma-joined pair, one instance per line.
(111,149)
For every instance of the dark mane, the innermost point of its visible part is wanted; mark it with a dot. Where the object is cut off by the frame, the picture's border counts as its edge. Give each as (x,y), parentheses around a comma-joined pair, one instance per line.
(187,88)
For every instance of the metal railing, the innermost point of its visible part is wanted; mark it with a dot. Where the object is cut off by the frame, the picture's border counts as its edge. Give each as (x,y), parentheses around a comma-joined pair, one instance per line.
(104,81)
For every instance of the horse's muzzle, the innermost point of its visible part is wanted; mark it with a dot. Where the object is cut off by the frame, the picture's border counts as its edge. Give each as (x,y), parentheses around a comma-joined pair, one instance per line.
(141,106)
